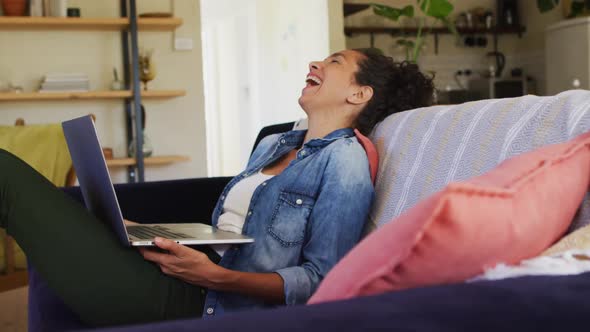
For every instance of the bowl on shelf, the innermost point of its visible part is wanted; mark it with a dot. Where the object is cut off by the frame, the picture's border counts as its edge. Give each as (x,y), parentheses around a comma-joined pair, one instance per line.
(14,7)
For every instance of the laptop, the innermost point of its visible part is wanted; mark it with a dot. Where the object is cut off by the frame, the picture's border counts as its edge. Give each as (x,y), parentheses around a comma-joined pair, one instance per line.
(100,198)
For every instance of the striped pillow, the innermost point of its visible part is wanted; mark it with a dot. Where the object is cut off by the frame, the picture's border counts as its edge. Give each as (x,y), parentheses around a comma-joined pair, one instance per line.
(424,149)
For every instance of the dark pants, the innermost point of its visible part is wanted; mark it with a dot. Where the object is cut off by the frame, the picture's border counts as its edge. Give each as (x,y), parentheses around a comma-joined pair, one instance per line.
(102,281)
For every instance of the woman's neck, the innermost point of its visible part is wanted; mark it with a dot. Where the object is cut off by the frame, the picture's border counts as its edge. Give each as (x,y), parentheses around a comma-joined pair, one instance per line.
(319,126)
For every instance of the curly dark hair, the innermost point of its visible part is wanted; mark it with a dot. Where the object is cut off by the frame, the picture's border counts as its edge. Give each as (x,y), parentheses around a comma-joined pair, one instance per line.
(397,86)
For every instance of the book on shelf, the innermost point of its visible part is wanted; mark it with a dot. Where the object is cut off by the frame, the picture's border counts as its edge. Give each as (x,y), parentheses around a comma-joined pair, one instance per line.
(65,82)
(68,90)
(64,89)
(59,77)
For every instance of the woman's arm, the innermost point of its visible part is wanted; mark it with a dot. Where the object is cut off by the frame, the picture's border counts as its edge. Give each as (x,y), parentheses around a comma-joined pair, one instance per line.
(266,286)
(195,267)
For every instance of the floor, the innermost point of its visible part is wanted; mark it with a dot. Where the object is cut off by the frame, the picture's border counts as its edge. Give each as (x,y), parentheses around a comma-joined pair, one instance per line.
(13,310)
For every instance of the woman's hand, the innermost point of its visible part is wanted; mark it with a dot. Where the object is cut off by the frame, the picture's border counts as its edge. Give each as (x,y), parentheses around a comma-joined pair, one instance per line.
(183,262)
(195,267)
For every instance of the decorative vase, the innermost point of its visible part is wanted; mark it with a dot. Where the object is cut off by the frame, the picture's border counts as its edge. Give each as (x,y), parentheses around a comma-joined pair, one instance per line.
(59,8)
(147,68)
(147,147)
(14,7)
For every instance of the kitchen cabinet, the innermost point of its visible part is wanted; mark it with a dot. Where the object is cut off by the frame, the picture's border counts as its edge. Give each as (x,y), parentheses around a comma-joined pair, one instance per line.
(567,52)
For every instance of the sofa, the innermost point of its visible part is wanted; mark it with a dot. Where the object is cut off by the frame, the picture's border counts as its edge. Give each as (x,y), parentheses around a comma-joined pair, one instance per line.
(420,152)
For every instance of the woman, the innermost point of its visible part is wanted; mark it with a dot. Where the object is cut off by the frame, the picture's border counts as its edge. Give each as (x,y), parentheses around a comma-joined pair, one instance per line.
(304,197)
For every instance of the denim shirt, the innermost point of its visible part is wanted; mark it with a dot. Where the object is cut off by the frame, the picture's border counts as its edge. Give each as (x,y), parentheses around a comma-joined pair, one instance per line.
(303,220)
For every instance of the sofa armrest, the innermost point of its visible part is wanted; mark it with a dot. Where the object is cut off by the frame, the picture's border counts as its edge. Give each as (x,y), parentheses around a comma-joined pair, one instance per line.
(185,200)
(529,303)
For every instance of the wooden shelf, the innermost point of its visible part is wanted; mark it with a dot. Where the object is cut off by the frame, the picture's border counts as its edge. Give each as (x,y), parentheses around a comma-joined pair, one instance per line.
(79,23)
(160,94)
(351,8)
(159,160)
(90,95)
(439,30)
(16,279)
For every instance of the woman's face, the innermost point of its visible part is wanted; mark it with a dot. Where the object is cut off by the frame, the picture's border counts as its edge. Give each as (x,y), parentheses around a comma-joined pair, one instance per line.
(331,82)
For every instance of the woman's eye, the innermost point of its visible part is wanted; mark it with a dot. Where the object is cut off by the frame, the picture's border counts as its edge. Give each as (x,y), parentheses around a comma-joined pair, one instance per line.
(334,61)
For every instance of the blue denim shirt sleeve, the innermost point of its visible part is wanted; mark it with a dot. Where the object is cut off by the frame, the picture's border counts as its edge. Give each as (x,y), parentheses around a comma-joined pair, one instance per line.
(336,221)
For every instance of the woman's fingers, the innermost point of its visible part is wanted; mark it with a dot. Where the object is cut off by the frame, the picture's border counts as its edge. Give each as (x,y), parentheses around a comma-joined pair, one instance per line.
(154,256)
(174,248)
(179,261)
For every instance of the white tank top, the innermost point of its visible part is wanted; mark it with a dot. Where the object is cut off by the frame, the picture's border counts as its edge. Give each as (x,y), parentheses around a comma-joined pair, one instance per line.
(235,206)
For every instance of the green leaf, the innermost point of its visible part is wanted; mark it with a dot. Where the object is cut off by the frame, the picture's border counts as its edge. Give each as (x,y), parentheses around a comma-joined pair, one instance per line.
(419,41)
(546,5)
(417,50)
(391,12)
(451,26)
(436,8)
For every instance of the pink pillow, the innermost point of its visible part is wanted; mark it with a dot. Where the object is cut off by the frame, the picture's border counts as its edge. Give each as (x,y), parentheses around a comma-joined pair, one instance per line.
(371,151)
(513,212)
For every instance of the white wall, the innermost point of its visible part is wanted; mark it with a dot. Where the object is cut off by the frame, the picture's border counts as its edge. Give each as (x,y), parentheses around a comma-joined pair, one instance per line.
(257,54)
(289,34)
(175,126)
(336,25)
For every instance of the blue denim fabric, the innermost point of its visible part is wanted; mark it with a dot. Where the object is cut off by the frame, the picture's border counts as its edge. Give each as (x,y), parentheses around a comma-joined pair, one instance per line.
(303,220)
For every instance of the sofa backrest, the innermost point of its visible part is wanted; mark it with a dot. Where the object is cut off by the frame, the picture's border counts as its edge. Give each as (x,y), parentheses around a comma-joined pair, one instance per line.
(424,149)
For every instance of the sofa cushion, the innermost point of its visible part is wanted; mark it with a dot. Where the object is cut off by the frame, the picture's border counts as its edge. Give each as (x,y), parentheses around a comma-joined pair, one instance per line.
(44,147)
(513,212)
(423,150)
(539,304)
(578,240)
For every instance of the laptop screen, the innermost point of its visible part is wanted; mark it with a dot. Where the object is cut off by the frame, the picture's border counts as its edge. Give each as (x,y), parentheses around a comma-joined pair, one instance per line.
(93,174)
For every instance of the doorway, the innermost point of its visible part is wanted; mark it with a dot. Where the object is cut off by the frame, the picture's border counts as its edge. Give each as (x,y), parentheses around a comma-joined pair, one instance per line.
(255,59)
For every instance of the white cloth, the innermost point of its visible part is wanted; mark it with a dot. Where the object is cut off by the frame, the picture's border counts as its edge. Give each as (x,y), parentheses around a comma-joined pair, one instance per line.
(235,206)
(565,263)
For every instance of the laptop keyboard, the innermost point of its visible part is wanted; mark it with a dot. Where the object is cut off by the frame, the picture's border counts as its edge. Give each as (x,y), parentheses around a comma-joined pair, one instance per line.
(144,233)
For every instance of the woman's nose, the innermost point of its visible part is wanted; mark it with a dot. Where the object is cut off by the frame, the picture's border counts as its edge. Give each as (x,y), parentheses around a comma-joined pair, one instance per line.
(314,65)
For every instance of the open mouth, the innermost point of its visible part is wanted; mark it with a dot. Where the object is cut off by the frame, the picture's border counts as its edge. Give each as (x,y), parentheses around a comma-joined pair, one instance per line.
(312,81)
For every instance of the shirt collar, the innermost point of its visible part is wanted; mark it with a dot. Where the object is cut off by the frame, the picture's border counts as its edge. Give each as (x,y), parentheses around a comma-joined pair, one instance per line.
(335,135)
(296,137)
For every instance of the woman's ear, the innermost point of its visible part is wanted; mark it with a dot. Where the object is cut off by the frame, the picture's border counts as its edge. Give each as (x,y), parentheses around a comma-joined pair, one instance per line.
(362,95)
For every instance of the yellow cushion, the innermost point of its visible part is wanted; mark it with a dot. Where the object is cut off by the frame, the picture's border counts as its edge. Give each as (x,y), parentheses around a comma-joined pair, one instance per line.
(41,146)
(44,148)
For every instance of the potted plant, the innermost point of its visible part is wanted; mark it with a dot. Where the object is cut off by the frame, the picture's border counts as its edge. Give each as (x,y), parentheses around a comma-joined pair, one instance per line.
(439,10)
